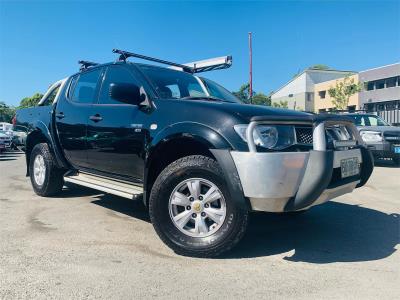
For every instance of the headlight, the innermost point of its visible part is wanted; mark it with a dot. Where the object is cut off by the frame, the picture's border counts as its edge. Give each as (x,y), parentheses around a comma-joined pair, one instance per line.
(371,136)
(271,137)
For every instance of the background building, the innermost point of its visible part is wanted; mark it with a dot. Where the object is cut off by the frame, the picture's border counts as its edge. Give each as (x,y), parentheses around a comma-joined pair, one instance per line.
(322,100)
(299,92)
(381,93)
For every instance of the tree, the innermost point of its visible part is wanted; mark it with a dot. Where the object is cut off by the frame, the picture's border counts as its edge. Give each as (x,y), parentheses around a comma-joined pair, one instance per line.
(281,104)
(342,92)
(320,67)
(6,112)
(243,93)
(258,98)
(30,101)
(261,99)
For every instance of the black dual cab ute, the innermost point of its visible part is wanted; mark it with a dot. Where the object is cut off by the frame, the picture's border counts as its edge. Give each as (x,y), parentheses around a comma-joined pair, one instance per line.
(200,158)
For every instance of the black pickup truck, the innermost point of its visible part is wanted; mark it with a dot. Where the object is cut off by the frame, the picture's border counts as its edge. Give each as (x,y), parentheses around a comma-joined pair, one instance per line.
(201,159)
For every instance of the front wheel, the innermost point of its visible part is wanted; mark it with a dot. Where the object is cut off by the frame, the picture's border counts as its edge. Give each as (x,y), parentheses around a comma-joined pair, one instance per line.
(46,178)
(192,211)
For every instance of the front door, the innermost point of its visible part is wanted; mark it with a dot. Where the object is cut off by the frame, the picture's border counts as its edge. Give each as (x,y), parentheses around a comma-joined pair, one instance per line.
(72,113)
(115,136)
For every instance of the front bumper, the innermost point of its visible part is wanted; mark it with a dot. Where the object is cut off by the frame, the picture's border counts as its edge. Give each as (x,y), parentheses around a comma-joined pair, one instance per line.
(383,149)
(290,181)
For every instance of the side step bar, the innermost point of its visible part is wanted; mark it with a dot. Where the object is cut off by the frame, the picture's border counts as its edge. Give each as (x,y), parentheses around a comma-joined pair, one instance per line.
(111,186)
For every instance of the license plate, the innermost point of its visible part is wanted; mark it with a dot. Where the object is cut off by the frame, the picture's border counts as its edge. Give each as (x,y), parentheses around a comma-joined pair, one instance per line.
(349,167)
(396,149)
(2,146)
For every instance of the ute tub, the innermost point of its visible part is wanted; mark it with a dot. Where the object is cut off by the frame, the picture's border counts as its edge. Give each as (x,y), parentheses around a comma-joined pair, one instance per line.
(290,181)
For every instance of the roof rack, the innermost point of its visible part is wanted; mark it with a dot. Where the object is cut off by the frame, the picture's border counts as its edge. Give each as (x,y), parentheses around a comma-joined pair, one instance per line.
(125,54)
(217,63)
(86,64)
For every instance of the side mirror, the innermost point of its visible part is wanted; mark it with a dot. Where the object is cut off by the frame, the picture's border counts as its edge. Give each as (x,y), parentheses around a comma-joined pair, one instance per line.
(126,93)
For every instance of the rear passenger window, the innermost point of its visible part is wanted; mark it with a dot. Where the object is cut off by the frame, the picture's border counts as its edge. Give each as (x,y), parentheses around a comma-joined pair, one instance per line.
(115,74)
(84,90)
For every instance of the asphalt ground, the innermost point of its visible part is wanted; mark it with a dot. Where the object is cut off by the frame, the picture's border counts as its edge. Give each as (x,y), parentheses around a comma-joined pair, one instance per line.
(85,244)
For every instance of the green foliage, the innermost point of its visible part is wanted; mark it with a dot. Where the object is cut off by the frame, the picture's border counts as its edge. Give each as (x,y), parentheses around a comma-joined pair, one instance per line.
(6,112)
(261,99)
(243,93)
(320,67)
(342,92)
(30,101)
(258,98)
(281,104)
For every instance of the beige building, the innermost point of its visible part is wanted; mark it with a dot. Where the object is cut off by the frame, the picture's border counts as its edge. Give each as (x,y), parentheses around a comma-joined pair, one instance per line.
(322,100)
(299,92)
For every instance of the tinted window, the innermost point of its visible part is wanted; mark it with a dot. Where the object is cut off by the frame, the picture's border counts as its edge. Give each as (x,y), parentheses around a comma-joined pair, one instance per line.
(380,84)
(85,88)
(115,74)
(218,91)
(172,84)
(370,85)
(391,82)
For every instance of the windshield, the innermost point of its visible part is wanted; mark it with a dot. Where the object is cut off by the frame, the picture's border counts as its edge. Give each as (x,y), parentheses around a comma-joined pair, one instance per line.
(172,84)
(368,120)
(218,91)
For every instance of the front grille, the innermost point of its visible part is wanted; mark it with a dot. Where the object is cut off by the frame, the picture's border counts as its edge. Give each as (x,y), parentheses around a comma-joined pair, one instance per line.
(392,136)
(304,135)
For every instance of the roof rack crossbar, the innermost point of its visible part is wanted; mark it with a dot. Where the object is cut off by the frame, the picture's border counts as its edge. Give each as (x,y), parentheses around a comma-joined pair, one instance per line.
(125,54)
(86,64)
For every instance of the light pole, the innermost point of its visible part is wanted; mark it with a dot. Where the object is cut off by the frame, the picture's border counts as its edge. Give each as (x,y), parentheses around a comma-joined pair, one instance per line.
(250,69)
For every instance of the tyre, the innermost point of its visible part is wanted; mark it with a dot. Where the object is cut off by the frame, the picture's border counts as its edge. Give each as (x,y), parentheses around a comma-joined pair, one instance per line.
(46,178)
(396,160)
(192,211)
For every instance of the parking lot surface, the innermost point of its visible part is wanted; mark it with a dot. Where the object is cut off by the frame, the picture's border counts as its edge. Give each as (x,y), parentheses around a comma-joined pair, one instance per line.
(85,244)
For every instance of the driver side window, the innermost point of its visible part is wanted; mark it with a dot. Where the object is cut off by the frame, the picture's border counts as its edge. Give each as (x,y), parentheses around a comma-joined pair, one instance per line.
(115,74)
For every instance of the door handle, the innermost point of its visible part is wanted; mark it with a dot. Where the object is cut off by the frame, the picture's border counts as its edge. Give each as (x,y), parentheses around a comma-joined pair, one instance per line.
(96,118)
(60,115)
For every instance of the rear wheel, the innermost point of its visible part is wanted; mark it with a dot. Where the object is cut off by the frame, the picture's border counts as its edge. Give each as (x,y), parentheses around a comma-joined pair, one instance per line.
(46,178)
(192,211)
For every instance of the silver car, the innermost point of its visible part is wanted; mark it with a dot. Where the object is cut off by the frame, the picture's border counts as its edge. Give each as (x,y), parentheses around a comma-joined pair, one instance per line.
(381,138)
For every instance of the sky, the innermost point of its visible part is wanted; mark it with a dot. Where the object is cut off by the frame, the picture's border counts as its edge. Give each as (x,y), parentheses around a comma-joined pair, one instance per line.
(41,42)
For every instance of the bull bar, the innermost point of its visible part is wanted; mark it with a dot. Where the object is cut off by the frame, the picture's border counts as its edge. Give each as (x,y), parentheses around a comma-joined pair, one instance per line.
(291,181)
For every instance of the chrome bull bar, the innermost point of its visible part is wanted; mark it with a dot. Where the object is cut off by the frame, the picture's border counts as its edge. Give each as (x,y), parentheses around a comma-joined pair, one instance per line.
(319,131)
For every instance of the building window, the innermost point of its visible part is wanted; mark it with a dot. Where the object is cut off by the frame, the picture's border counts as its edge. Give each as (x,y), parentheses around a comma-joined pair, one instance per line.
(322,94)
(380,84)
(351,108)
(391,82)
(370,85)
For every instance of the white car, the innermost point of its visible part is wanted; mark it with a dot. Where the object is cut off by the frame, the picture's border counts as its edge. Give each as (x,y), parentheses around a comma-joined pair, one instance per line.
(5,139)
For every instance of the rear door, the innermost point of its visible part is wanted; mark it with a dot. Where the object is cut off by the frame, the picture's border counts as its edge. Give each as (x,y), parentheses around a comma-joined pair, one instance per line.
(115,131)
(72,114)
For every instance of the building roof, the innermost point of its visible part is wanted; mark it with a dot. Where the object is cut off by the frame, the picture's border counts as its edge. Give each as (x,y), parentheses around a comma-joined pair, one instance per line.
(314,70)
(385,66)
